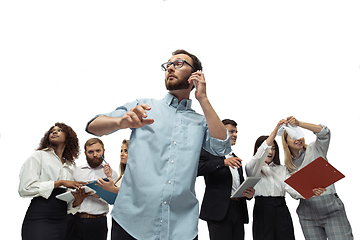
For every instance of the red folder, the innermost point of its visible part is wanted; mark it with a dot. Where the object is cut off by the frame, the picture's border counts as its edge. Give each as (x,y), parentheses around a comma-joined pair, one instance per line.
(318,173)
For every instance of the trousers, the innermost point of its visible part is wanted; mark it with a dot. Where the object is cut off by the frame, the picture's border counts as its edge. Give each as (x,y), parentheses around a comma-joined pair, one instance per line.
(324,218)
(272,219)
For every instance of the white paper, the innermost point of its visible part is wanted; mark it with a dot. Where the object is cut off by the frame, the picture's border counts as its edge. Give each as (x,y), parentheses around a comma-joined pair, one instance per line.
(293,131)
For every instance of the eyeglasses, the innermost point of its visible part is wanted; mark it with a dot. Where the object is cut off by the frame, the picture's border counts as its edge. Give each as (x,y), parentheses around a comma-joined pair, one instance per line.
(176,64)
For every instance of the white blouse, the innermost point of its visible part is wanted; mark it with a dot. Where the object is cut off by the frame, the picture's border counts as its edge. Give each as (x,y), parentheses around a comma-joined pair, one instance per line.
(40,171)
(272,175)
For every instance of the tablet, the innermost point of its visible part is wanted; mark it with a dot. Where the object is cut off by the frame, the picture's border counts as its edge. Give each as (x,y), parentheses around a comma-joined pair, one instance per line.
(249,182)
(67,196)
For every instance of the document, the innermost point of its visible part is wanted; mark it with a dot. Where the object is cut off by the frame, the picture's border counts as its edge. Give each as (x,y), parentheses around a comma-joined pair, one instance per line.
(107,196)
(249,182)
(318,173)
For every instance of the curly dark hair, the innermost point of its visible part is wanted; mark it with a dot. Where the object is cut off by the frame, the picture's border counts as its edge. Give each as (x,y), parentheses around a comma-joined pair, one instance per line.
(72,149)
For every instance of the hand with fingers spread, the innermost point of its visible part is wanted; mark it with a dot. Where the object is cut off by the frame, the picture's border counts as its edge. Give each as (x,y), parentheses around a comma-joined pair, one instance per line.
(108,185)
(69,184)
(233,162)
(80,195)
(136,117)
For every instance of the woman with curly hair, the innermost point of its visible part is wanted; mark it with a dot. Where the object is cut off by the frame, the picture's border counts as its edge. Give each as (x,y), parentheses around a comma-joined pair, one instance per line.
(45,174)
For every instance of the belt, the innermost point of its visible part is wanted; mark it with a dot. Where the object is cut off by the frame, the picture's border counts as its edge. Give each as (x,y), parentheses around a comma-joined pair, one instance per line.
(236,199)
(275,201)
(86,215)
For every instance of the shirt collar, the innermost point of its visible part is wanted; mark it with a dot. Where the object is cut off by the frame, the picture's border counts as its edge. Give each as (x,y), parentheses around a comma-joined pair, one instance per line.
(86,165)
(299,156)
(171,100)
(67,163)
(272,164)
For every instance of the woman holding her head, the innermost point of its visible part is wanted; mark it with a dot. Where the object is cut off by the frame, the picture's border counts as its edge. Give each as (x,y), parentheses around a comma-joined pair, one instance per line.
(110,185)
(45,174)
(321,217)
(271,216)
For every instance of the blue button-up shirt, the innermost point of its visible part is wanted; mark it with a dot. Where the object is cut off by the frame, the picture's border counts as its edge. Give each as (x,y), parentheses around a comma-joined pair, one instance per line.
(157,198)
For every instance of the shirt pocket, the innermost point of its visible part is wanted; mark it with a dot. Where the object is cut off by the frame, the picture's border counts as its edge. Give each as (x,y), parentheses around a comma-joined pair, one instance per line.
(194,134)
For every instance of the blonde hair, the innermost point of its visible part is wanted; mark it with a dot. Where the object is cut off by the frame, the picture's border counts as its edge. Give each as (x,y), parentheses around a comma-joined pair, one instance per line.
(287,153)
(122,165)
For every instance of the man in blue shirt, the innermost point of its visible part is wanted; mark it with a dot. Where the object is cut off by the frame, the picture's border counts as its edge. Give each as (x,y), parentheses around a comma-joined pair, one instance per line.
(157,198)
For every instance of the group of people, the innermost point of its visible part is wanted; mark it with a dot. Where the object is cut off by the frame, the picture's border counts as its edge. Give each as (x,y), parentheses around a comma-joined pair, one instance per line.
(170,145)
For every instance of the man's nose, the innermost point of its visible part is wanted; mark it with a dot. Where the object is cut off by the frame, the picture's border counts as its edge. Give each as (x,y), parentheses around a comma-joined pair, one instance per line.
(171,68)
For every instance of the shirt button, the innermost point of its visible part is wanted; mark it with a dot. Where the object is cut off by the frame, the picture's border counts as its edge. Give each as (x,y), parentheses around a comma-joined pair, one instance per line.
(172,161)
(169,182)
(175,143)
(165,202)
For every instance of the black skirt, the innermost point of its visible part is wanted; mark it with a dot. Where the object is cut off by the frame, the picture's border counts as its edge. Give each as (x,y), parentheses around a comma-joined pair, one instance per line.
(45,219)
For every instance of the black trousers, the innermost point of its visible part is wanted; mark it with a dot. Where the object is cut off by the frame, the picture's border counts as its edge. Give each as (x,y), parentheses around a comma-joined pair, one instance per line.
(118,233)
(45,218)
(272,219)
(231,227)
(86,228)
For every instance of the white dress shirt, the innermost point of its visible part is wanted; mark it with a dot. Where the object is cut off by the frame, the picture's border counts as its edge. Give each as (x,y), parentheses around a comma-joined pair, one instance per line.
(40,171)
(235,175)
(272,175)
(91,204)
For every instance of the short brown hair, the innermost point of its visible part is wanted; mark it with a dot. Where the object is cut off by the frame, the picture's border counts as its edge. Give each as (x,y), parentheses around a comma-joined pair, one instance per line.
(229,121)
(92,141)
(196,62)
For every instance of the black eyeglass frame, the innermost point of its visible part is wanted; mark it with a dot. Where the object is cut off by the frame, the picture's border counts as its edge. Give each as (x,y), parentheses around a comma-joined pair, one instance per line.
(166,65)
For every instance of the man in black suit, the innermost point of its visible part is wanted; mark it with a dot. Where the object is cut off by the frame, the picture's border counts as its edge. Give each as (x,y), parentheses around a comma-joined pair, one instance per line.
(223,175)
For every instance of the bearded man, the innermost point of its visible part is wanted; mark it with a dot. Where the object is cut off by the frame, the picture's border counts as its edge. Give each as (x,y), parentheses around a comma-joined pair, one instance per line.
(87,216)
(157,198)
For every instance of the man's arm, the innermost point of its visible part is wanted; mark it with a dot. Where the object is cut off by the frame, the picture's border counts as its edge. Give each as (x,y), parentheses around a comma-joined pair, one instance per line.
(135,118)
(216,128)
(209,163)
(103,125)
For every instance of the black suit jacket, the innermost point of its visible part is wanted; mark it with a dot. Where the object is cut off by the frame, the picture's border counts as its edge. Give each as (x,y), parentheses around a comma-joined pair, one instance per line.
(218,180)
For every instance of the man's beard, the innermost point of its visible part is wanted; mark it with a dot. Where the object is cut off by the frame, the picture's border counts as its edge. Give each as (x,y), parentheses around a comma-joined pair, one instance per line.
(94,164)
(177,84)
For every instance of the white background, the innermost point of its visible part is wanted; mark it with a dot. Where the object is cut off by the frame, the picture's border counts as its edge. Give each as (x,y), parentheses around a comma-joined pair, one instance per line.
(65,61)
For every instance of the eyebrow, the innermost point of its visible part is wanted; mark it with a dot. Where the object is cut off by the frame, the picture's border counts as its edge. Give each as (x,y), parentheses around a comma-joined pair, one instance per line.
(178,58)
